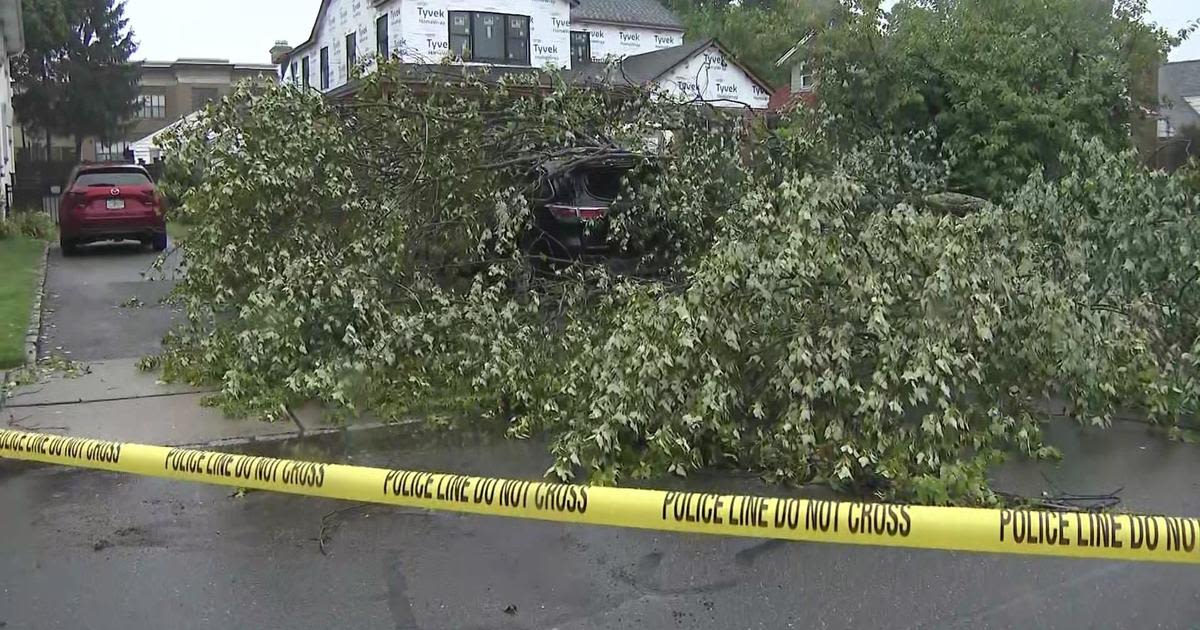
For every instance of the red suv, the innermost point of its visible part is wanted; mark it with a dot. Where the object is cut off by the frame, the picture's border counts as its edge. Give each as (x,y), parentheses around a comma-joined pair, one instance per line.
(110,202)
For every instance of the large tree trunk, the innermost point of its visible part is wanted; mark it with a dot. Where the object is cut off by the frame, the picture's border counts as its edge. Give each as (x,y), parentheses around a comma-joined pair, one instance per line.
(49,141)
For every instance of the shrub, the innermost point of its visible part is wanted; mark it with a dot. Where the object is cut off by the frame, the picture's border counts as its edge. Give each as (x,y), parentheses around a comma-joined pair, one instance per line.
(30,224)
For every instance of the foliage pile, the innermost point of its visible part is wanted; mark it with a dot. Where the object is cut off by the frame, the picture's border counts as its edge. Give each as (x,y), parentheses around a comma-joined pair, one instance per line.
(779,306)
(30,224)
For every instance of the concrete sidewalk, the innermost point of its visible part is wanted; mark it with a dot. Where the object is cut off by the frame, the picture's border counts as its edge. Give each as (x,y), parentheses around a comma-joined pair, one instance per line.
(105,309)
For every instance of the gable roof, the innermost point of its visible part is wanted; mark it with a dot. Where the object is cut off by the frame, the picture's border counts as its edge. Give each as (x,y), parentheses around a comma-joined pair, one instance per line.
(1179,91)
(787,56)
(649,67)
(631,12)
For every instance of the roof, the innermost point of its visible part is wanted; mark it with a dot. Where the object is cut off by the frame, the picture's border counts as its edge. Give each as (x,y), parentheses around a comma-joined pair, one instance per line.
(631,12)
(224,63)
(1179,91)
(643,68)
(152,139)
(787,56)
(651,66)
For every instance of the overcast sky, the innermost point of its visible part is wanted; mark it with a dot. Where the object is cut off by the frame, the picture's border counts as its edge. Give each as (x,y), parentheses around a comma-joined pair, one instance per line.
(244,30)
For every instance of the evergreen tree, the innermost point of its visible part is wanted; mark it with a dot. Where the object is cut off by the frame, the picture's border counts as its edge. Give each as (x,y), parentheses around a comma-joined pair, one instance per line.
(75,78)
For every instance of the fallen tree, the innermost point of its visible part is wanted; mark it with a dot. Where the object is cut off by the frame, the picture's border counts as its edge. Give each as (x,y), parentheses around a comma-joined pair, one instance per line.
(783,306)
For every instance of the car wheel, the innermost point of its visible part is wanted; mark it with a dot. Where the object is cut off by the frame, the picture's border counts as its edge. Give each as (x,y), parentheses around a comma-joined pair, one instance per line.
(68,246)
(159,242)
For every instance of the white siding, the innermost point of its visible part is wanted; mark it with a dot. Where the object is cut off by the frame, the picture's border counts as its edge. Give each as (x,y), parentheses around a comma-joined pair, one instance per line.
(427,30)
(623,41)
(6,126)
(712,77)
(419,32)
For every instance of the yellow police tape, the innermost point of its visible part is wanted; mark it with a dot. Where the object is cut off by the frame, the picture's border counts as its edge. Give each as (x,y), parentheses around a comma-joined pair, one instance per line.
(1075,534)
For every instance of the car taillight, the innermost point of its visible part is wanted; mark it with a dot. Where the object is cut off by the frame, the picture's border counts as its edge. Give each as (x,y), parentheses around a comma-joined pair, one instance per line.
(74,200)
(589,213)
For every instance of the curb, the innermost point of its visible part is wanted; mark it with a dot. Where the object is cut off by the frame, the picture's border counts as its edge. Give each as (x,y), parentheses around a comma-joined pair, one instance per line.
(34,332)
(328,441)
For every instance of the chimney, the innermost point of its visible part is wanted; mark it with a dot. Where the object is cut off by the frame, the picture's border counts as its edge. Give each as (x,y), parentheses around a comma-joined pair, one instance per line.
(279,52)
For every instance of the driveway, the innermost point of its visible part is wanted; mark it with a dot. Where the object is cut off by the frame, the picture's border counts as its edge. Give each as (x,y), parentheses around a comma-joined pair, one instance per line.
(105,303)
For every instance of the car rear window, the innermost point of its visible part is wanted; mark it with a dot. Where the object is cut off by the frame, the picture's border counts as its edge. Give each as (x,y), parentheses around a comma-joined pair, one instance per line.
(113,177)
(604,184)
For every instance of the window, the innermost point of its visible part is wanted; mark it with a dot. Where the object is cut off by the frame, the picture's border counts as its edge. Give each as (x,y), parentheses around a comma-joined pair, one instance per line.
(487,37)
(351,51)
(304,74)
(581,46)
(204,96)
(1165,129)
(490,37)
(806,82)
(383,47)
(460,34)
(111,177)
(517,40)
(152,106)
(604,185)
(114,152)
(295,74)
(325,68)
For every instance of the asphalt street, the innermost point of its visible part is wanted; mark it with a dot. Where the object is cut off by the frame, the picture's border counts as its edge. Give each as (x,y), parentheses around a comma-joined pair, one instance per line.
(82,549)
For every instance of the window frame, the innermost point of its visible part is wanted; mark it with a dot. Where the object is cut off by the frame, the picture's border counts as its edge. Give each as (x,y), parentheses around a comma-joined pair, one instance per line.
(523,41)
(510,44)
(306,71)
(351,51)
(149,109)
(1165,130)
(587,46)
(112,152)
(323,67)
(383,41)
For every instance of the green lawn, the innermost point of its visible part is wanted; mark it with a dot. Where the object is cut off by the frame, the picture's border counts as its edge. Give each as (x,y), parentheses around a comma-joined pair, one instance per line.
(19,261)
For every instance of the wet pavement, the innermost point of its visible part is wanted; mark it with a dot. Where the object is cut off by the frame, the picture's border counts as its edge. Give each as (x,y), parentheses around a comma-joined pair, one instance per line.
(101,550)
(105,310)
(105,302)
(84,549)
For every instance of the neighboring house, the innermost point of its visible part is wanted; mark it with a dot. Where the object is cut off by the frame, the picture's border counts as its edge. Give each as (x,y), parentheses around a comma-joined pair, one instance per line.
(1179,93)
(620,28)
(170,90)
(700,71)
(800,73)
(12,33)
(802,83)
(173,90)
(517,36)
